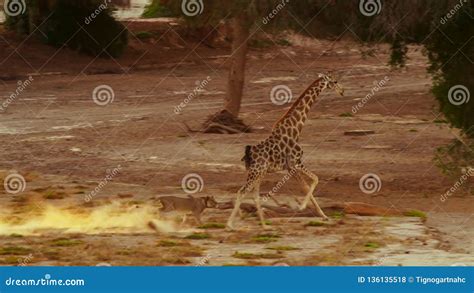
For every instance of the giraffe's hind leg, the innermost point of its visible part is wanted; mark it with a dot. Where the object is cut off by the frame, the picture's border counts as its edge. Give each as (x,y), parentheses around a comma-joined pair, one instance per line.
(309,189)
(258,205)
(253,181)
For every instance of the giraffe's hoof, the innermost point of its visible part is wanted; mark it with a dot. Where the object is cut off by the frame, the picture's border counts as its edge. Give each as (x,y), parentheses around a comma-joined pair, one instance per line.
(229,228)
(266,227)
(325,218)
(302,207)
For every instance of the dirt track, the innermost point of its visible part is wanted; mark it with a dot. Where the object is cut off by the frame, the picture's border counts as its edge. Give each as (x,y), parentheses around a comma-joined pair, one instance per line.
(64,144)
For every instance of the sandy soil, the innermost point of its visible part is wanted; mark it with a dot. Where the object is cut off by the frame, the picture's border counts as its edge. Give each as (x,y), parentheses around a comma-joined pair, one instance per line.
(65,146)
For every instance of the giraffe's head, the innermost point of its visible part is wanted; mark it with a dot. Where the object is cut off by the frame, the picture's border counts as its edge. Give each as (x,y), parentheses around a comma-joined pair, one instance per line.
(331,83)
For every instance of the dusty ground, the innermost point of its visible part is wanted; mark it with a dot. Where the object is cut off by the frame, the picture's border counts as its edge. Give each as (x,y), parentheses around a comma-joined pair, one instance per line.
(65,145)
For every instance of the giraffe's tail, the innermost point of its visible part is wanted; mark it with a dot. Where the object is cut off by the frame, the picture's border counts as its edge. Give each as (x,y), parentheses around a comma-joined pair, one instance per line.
(247,158)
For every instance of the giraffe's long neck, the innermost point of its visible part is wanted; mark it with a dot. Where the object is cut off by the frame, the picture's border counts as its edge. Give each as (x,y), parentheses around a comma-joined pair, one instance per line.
(291,124)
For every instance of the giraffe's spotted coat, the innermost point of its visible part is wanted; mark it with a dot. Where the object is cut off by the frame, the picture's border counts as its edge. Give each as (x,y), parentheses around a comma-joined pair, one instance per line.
(281,151)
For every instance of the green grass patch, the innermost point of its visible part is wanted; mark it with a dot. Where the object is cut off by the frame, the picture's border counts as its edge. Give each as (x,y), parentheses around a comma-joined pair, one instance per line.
(198,236)
(245,255)
(168,243)
(212,226)
(315,224)
(337,215)
(346,114)
(416,213)
(14,250)
(440,121)
(64,242)
(9,260)
(265,238)
(372,245)
(283,248)
(248,255)
(155,9)
(144,35)
(16,235)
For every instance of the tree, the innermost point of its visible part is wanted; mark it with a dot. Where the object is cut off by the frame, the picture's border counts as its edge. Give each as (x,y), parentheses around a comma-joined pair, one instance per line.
(84,25)
(240,16)
(399,22)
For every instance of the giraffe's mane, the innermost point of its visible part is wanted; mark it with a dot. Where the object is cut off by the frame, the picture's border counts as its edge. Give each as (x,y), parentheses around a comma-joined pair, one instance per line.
(287,113)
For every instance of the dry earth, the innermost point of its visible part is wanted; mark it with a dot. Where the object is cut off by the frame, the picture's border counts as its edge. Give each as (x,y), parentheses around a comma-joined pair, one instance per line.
(65,145)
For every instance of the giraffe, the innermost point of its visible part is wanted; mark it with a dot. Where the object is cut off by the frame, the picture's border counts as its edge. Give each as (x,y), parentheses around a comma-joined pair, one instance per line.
(281,151)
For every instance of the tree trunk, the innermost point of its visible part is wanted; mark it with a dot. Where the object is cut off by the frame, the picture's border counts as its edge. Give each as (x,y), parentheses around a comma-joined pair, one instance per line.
(226,121)
(235,83)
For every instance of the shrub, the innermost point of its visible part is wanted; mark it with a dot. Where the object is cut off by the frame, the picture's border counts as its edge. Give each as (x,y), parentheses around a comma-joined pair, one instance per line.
(83,25)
